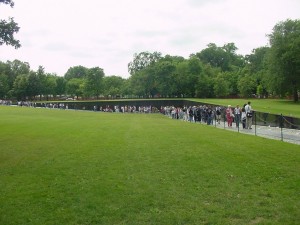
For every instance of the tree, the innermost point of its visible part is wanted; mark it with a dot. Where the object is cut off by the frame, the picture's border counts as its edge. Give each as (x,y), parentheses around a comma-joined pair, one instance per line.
(215,56)
(50,86)
(8,29)
(256,59)
(221,86)
(94,82)
(74,87)
(247,86)
(284,58)
(21,87)
(60,86)
(33,85)
(205,83)
(112,85)
(222,57)
(256,66)
(4,82)
(76,72)
(138,83)
(4,87)
(142,60)
(16,68)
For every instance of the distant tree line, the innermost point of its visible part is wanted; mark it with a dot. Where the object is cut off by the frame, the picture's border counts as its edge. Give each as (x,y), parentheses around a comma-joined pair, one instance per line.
(216,71)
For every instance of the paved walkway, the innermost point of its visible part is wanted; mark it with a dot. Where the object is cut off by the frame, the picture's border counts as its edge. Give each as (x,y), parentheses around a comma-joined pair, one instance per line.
(286,135)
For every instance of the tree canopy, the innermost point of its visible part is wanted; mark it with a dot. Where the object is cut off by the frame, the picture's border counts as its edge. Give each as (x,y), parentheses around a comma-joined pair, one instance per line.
(284,58)
(8,28)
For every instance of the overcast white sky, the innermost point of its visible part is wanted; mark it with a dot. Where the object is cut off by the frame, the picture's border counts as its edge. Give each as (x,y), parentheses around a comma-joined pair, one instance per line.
(59,34)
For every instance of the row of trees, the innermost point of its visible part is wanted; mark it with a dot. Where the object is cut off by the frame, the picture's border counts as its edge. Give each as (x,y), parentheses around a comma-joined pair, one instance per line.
(18,81)
(216,71)
(221,72)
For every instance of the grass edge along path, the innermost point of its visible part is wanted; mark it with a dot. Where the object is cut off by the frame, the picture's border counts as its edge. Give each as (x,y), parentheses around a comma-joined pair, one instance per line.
(80,167)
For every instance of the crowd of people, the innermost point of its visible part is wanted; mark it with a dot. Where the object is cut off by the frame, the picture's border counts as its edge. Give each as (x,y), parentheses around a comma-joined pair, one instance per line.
(126,109)
(240,115)
(5,102)
(201,113)
(207,114)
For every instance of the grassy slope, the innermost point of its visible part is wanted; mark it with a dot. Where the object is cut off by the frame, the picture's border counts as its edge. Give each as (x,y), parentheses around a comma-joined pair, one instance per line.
(275,106)
(68,167)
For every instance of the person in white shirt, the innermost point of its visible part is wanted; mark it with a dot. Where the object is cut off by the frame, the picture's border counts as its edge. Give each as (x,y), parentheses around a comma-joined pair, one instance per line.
(248,111)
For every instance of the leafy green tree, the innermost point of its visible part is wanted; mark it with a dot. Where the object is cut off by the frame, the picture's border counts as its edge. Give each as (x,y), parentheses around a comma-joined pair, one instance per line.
(74,87)
(284,58)
(4,81)
(76,72)
(231,78)
(235,61)
(205,83)
(257,67)
(4,87)
(221,86)
(247,86)
(260,90)
(222,57)
(142,60)
(256,60)
(42,81)
(139,84)
(60,85)
(126,88)
(167,79)
(21,87)
(163,81)
(180,79)
(8,29)
(16,68)
(93,85)
(112,85)
(50,86)
(215,56)
(33,88)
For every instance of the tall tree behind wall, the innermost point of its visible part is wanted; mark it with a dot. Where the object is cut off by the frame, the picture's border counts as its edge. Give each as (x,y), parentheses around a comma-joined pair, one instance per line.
(284,58)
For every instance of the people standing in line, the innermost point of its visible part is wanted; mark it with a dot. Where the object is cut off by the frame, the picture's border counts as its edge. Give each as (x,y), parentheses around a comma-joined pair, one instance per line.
(185,115)
(237,115)
(191,114)
(249,113)
(209,112)
(243,118)
(229,116)
(197,115)
(218,114)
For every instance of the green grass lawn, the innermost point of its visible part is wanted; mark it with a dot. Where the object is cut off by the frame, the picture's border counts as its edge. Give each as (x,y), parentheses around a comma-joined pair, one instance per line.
(274,106)
(80,167)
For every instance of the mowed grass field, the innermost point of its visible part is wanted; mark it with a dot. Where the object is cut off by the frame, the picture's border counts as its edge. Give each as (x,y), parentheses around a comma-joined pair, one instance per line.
(274,106)
(80,167)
